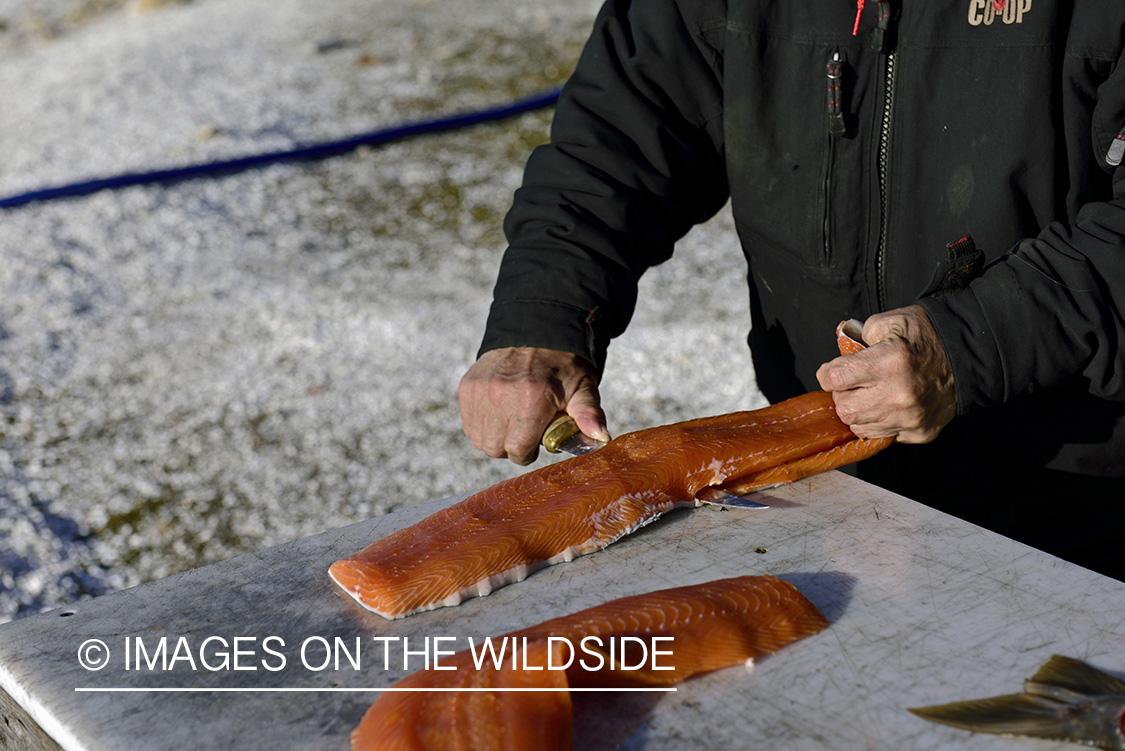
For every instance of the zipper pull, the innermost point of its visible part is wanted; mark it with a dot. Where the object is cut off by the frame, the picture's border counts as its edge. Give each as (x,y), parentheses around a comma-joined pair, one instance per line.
(835,69)
(882,23)
(1116,149)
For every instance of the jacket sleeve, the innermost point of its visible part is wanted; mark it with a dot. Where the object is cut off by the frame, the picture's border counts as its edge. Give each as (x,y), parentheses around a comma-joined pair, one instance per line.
(1051,313)
(1047,315)
(635,159)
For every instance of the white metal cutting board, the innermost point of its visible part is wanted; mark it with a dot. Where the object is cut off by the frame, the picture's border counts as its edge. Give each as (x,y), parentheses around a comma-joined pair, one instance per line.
(924,609)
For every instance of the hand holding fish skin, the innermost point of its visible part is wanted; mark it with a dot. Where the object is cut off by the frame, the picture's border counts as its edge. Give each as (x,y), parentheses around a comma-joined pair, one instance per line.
(901,385)
(510,395)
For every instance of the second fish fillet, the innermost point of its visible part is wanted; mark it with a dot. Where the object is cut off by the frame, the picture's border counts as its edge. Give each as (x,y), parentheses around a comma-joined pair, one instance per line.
(706,627)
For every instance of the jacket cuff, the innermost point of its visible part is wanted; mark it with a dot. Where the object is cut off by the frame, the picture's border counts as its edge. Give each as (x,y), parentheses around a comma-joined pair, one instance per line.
(1004,335)
(546,325)
(967,327)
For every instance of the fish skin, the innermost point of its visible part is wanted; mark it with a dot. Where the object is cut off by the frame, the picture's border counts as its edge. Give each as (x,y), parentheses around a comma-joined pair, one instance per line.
(583,504)
(714,625)
(1066,700)
(849,337)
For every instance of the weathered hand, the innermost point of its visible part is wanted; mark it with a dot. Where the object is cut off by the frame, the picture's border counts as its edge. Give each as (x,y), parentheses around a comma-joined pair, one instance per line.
(901,385)
(509,396)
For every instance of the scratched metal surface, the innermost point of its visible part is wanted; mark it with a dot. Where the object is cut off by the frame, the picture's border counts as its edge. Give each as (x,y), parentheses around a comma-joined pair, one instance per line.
(924,609)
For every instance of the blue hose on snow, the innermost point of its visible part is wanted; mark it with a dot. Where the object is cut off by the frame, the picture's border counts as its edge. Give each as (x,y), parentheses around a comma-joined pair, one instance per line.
(313,151)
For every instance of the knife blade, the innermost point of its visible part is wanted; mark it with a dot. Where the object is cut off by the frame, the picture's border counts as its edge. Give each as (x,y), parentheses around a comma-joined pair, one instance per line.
(563,436)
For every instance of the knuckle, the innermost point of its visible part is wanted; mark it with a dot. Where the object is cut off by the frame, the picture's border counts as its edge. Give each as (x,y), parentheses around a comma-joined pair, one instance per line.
(522,455)
(838,378)
(494,452)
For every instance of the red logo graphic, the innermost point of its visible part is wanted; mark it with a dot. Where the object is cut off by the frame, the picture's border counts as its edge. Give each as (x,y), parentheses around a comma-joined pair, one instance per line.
(999,5)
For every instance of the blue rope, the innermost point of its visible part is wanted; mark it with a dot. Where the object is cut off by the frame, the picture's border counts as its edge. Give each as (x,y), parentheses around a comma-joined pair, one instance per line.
(314,151)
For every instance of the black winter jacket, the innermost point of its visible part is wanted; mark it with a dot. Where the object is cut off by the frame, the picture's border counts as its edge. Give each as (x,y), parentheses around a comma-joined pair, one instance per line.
(850,161)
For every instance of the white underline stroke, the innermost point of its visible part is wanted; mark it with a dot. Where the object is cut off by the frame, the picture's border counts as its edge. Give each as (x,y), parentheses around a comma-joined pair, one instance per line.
(172,689)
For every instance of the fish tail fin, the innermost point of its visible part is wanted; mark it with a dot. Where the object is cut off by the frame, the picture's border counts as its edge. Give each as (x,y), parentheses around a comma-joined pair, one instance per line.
(1015,714)
(1059,703)
(1067,677)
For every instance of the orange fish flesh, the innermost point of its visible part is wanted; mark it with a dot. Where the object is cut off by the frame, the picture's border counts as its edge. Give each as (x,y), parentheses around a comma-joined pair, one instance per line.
(504,533)
(713,625)
(560,511)
(460,717)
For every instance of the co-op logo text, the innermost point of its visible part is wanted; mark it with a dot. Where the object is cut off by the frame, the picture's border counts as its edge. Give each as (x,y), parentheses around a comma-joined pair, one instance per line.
(985,12)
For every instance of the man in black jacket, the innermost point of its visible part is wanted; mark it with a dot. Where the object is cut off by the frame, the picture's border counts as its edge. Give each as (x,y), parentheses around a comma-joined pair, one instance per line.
(856,145)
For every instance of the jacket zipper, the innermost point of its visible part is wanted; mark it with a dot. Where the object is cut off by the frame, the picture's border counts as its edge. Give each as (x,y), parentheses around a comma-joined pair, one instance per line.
(884,178)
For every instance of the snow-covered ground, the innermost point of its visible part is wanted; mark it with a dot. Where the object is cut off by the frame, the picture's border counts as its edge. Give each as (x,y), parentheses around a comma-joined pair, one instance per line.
(193,371)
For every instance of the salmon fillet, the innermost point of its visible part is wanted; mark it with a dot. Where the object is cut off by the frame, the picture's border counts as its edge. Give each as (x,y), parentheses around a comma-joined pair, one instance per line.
(583,504)
(713,625)
(473,720)
(555,513)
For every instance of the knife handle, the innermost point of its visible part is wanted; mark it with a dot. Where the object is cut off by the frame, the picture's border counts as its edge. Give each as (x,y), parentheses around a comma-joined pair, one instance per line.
(560,429)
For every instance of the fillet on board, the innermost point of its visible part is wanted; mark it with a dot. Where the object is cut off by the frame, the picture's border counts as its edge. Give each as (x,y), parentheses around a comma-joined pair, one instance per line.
(702,628)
